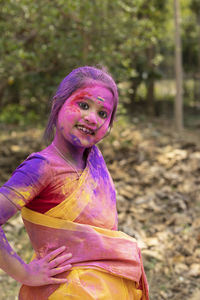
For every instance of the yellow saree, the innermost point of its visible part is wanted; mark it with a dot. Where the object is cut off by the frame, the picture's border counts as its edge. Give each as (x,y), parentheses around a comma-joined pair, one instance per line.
(106,263)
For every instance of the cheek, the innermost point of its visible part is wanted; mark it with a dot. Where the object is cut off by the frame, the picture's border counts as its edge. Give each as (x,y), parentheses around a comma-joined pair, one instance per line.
(69,115)
(105,123)
(103,129)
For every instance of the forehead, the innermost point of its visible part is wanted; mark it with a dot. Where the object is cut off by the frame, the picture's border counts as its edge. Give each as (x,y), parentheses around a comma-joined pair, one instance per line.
(98,93)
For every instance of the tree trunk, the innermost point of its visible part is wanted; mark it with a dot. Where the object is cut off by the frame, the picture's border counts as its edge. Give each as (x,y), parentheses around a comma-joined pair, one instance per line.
(198,73)
(178,105)
(150,97)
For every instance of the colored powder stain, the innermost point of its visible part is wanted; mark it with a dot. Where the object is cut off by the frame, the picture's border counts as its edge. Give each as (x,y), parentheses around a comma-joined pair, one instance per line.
(76,140)
(72,109)
(113,195)
(7,247)
(99,170)
(20,203)
(5,214)
(92,159)
(80,96)
(88,197)
(39,163)
(101,99)
(25,194)
(88,138)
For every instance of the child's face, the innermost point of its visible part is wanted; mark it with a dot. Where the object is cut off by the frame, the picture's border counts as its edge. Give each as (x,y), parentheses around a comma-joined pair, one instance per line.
(85,116)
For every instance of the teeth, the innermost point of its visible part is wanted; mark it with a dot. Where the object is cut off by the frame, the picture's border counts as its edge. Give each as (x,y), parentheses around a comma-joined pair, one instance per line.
(86,130)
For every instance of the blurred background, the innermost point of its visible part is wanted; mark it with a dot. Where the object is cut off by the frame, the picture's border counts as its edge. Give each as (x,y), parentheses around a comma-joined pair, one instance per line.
(41,42)
(154,162)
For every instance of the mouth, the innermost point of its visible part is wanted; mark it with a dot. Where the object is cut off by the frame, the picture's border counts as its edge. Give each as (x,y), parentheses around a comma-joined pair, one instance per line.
(85,130)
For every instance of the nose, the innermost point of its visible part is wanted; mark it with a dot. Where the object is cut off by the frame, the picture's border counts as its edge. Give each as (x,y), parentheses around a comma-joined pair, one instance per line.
(91,118)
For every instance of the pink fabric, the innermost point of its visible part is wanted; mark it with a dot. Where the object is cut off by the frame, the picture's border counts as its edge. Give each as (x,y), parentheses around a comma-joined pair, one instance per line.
(117,255)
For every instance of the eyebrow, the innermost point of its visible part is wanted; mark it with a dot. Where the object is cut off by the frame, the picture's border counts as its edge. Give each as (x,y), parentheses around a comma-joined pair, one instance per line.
(104,105)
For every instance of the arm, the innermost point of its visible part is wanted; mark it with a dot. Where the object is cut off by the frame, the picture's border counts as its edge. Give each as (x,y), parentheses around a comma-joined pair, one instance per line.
(38,272)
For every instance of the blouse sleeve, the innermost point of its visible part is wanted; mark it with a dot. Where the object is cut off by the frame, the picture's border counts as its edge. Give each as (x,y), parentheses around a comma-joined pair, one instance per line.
(27,181)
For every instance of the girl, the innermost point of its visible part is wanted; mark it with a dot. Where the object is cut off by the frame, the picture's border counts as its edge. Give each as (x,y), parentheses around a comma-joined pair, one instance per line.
(67,201)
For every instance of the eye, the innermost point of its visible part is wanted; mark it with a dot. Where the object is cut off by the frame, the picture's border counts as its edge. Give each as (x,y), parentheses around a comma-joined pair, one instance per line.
(83,105)
(103,114)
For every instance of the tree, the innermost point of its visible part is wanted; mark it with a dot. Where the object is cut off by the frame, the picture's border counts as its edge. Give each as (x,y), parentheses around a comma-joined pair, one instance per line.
(45,40)
(178,109)
(195,6)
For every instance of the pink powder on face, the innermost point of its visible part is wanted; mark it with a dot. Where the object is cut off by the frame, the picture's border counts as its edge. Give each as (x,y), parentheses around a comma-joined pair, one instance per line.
(78,95)
(72,114)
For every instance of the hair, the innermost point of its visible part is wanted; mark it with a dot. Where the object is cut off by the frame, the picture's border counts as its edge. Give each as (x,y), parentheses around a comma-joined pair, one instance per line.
(78,78)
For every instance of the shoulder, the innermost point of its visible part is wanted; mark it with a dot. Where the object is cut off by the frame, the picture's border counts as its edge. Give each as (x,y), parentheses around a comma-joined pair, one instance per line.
(35,164)
(34,159)
(95,152)
(95,155)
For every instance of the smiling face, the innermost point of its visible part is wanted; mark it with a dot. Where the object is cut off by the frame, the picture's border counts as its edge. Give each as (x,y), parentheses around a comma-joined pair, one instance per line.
(85,116)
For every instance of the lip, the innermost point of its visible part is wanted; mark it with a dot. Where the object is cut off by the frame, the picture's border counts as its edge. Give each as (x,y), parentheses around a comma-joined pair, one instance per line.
(92,130)
(86,126)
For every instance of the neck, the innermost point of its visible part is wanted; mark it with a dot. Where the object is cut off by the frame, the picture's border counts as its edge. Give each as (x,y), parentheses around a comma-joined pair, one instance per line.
(72,153)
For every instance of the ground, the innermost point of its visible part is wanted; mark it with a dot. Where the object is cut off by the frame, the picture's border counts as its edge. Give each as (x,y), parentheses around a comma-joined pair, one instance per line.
(157,178)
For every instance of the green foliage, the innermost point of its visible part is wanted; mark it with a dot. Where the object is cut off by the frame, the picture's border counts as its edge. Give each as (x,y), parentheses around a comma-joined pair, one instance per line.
(190,35)
(15,114)
(42,41)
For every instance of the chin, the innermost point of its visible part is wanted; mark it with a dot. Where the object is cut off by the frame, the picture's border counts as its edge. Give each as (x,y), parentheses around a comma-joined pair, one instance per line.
(84,141)
(81,143)
(87,145)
